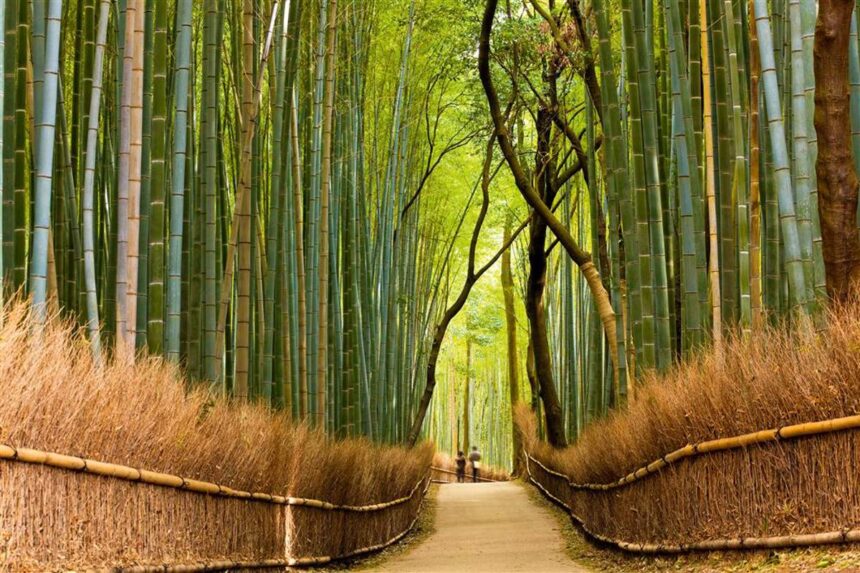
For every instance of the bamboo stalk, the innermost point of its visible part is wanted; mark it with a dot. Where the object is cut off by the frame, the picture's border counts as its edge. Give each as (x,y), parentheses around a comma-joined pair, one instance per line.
(710,185)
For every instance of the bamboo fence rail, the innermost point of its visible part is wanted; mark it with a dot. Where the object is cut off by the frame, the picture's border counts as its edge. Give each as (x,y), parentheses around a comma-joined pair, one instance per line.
(786,433)
(127,473)
(222,565)
(81,465)
(775,542)
(691,450)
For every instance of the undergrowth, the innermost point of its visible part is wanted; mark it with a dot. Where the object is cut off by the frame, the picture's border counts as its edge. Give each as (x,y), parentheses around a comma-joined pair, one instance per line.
(55,397)
(778,377)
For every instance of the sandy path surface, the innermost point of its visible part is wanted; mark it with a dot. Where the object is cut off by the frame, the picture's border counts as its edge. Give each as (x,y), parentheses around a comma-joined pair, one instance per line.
(487,527)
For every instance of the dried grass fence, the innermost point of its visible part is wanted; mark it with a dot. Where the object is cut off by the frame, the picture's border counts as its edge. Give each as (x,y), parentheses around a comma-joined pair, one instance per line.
(324,499)
(627,484)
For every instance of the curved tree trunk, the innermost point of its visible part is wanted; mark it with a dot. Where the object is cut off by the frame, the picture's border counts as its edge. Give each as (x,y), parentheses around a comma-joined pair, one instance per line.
(533,197)
(536,286)
(837,179)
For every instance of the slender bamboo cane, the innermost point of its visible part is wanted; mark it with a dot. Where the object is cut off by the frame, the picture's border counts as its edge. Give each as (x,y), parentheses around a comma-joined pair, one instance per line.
(755,184)
(710,185)
(44,163)
(782,172)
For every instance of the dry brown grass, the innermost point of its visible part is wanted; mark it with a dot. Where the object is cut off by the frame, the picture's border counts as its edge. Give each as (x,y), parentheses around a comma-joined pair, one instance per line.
(777,378)
(55,398)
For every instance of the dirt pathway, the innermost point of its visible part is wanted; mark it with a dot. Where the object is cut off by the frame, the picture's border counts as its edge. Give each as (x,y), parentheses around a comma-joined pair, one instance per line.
(487,527)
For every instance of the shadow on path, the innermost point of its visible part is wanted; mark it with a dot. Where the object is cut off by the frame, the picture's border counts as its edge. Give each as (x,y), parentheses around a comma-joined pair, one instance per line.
(487,528)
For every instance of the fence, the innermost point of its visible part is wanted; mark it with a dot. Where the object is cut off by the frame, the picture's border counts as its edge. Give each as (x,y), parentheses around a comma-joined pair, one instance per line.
(59,511)
(783,487)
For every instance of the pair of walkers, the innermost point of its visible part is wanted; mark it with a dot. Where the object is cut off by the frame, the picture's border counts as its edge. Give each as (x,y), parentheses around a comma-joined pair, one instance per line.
(475,458)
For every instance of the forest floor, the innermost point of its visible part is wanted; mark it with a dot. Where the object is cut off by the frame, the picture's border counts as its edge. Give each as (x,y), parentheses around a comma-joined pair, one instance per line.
(596,558)
(487,527)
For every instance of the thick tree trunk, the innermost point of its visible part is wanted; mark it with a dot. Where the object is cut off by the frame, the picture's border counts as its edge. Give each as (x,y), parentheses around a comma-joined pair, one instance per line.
(537,285)
(539,339)
(837,179)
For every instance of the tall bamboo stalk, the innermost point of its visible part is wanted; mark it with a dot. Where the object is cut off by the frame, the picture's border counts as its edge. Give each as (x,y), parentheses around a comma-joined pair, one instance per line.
(46,128)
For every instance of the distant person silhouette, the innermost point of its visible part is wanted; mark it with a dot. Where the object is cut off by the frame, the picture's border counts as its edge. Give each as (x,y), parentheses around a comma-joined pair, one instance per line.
(475,458)
(461,467)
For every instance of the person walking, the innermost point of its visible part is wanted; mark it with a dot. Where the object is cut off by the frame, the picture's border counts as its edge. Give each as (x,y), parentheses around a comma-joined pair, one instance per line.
(475,458)
(461,467)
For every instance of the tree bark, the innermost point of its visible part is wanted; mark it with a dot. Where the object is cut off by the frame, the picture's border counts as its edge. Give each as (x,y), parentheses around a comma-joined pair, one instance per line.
(536,286)
(837,178)
(531,195)
(467,437)
(472,277)
(511,323)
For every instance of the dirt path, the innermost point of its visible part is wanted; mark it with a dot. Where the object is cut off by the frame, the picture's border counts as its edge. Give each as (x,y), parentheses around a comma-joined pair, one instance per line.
(487,527)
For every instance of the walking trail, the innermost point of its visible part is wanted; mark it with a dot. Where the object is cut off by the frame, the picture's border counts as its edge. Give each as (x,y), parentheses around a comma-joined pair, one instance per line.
(491,527)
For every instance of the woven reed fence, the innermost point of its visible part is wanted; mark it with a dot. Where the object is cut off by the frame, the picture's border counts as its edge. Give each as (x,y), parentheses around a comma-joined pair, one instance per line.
(65,512)
(793,486)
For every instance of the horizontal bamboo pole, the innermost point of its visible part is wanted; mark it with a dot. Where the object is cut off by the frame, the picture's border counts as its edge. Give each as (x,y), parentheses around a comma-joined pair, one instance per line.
(843,536)
(223,565)
(453,473)
(301,502)
(127,473)
(722,444)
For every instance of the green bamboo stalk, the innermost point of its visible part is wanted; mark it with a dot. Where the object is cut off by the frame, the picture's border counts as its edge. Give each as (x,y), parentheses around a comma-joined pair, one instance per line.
(800,147)
(44,163)
(22,161)
(645,343)
(782,171)
(687,161)
(209,102)
(177,194)
(158,181)
(88,199)
(647,85)
(616,174)
(725,190)
(7,180)
(739,181)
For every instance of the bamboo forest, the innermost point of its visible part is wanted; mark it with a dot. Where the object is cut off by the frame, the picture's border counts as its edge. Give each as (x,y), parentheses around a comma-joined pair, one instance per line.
(429,285)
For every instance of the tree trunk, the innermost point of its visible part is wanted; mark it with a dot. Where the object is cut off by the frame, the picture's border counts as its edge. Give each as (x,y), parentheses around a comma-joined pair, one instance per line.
(535,291)
(511,323)
(467,419)
(837,178)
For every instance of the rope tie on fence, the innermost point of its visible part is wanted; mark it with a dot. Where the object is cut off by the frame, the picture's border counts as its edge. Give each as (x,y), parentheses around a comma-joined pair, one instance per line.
(784,433)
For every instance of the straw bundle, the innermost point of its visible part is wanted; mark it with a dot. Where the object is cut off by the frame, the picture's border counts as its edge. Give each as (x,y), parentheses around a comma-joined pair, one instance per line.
(59,408)
(759,448)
